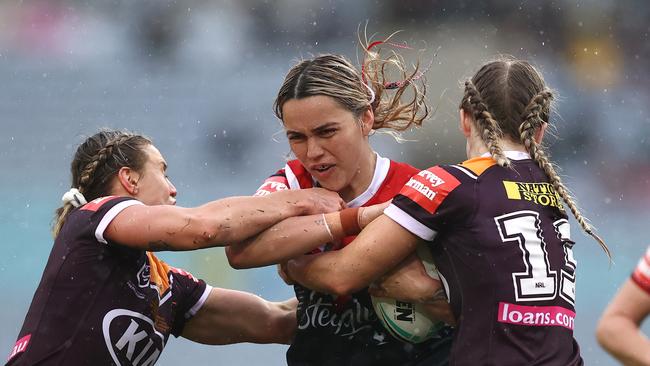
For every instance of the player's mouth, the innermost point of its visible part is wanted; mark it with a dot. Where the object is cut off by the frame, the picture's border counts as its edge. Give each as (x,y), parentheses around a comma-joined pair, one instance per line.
(322,168)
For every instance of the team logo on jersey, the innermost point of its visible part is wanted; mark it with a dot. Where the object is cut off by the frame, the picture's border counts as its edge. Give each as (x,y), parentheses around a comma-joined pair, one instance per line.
(131,338)
(272,184)
(538,193)
(430,187)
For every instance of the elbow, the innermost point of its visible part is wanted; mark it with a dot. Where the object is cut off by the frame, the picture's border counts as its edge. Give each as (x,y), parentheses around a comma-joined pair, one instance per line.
(236,258)
(340,286)
(605,332)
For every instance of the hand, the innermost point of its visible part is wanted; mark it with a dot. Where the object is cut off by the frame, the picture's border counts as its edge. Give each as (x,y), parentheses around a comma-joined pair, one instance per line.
(284,274)
(317,200)
(409,282)
(367,214)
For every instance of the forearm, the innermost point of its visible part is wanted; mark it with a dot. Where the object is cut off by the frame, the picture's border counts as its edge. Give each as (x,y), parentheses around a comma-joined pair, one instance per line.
(622,338)
(238,218)
(358,264)
(287,239)
(230,316)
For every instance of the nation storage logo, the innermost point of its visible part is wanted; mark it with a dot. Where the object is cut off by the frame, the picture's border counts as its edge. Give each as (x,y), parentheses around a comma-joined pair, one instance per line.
(430,187)
(538,193)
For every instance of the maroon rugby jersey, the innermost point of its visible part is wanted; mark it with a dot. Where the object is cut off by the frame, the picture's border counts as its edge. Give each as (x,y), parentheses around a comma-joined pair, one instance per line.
(641,274)
(501,242)
(344,330)
(102,303)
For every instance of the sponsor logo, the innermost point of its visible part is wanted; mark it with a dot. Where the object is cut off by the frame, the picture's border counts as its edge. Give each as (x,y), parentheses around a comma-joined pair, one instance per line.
(538,193)
(20,346)
(404,311)
(320,312)
(430,187)
(271,185)
(131,338)
(538,316)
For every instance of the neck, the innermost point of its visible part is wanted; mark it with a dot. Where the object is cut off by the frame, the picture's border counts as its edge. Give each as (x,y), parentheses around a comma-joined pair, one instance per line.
(363,178)
(476,147)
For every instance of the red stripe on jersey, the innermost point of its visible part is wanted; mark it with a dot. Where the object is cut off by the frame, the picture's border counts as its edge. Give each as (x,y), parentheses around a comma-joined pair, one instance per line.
(641,275)
(20,346)
(430,187)
(95,204)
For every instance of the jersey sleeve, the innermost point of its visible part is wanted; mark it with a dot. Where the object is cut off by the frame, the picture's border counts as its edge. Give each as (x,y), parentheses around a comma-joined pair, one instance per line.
(94,217)
(190,294)
(274,183)
(426,203)
(641,274)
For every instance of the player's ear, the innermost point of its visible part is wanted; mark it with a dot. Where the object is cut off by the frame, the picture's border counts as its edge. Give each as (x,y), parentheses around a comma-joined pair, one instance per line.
(128,179)
(367,120)
(465,124)
(539,134)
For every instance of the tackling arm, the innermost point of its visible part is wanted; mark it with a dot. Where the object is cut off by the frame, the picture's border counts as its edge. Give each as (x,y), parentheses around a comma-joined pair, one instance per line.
(618,331)
(378,248)
(230,316)
(216,223)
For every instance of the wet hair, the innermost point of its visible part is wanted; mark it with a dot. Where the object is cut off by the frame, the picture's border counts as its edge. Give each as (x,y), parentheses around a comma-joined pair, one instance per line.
(97,161)
(508,98)
(334,76)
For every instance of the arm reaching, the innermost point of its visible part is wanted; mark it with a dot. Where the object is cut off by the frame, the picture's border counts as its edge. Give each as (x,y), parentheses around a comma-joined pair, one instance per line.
(378,248)
(216,223)
(230,316)
(295,236)
(618,331)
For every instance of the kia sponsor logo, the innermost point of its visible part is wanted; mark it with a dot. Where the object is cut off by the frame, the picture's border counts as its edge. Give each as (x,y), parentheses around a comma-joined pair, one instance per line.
(131,338)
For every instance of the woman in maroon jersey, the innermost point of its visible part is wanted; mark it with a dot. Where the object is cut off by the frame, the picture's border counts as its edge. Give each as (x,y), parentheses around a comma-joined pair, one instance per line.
(329,109)
(496,227)
(105,298)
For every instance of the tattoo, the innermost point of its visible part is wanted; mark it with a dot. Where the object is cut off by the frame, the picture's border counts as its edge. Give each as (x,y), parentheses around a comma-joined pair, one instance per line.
(319,222)
(159,245)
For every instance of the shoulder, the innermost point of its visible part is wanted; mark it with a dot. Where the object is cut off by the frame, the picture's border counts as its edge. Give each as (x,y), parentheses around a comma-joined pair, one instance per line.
(94,217)
(429,188)
(292,176)
(641,274)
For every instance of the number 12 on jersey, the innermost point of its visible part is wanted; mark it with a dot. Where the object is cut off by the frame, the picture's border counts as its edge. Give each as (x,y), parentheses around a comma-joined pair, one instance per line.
(538,282)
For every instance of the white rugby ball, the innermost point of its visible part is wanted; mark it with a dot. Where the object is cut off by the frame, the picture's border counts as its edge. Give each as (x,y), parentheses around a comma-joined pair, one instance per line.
(404,320)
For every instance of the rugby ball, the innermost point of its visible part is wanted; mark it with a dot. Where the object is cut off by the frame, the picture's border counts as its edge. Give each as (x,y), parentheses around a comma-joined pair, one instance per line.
(404,320)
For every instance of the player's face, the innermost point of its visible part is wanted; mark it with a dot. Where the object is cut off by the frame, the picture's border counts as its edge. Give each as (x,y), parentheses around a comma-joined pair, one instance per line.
(154,187)
(331,142)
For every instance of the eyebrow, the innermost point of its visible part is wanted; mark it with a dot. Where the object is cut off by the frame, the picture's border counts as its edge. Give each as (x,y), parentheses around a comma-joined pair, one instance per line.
(319,128)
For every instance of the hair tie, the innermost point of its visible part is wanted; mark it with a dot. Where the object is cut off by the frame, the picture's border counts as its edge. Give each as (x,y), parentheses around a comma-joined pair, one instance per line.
(372,93)
(74,197)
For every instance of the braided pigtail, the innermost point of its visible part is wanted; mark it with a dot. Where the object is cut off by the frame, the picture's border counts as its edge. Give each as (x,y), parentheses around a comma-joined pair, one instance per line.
(534,114)
(490,130)
(96,161)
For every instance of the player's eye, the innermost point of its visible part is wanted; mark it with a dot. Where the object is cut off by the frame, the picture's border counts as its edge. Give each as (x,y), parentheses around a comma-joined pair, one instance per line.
(328,132)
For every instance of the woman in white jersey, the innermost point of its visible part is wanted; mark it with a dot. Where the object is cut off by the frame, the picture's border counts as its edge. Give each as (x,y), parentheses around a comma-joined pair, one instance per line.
(329,109)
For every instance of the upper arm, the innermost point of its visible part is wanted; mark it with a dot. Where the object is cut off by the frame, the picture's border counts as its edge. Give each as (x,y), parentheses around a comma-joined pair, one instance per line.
(230,316)
(631,303)
(155,228)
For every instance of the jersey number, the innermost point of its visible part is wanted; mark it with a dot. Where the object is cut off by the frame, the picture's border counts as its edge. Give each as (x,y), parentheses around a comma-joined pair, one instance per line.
(538,282)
